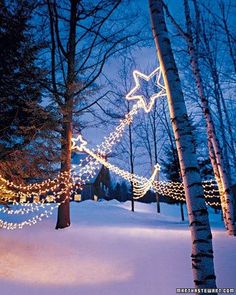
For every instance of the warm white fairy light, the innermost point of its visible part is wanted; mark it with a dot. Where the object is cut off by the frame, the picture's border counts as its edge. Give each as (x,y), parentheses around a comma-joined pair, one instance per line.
(133,96)
(175,190)
(24,209)
(44,186)
(171,189)
(73,180)
(104,147)
(141,190)
(89,165)
(78,143)
(141,185)
(52,186)
(15,193)
(31,221)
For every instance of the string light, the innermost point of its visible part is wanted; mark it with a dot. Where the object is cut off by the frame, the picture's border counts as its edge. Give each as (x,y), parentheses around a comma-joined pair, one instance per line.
(78,143)
(104,147)
(141,98)
(72,180)
(89,170)
(140,191)
(30,221)
(141,185)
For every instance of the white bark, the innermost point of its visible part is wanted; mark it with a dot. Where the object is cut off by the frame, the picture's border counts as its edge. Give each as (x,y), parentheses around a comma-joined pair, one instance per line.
(221,106)
(202,251)
(227,197)
(217,175)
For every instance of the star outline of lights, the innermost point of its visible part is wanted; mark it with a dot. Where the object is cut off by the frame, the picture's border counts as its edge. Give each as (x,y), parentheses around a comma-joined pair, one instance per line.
(78,143)
(141,99)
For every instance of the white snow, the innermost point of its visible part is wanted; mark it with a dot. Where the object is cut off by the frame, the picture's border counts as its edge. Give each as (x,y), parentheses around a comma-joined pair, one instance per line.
(109,250)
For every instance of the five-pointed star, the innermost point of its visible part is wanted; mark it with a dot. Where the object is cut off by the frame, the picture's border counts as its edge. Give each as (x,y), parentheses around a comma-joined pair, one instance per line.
(157,167)
(131,95)
(78,143)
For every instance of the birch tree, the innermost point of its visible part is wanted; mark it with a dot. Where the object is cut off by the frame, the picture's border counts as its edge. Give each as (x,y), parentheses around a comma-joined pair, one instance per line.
(226,193)
(223,179)
(202,250)
(221,23)
(210,57)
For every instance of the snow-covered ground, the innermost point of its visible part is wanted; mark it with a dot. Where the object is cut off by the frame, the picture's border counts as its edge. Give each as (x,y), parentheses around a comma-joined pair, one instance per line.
(109,250)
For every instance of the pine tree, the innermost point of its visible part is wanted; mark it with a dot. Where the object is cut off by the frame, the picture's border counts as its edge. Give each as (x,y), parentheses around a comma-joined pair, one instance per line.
(170,164)
(171,169)
(25,125)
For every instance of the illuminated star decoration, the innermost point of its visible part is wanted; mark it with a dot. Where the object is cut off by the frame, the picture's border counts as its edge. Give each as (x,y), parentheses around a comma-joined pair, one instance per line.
(78,143)
(143,102)
(157,167)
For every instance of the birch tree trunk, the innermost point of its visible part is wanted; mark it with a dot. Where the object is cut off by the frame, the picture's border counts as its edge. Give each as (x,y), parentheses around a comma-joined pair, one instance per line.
(221,106)
(227,197)
(217,176)
(202,251)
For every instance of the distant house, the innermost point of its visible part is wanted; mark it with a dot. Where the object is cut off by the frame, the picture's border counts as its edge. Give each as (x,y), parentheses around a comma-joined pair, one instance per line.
(97,187)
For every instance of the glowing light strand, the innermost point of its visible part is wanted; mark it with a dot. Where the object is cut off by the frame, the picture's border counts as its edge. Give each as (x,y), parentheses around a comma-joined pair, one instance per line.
(174,190)
(141,184)
(133,96)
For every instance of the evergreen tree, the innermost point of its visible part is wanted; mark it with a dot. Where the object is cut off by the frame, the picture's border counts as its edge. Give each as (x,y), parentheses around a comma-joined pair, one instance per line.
(25,125)
(206,168)
(124,189)
(170,164)
(117,192)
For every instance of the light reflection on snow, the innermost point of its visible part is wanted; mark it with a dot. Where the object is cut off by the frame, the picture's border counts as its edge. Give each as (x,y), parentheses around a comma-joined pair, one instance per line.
(26,263)
(107,250)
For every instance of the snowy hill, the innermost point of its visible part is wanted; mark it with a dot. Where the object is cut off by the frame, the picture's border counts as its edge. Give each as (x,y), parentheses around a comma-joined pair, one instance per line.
(109,250)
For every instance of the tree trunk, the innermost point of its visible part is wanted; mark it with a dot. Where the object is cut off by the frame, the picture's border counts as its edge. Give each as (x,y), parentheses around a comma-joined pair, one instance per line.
(155,154)
(131,162)
(220,103)
(202,251)
(182,210)
(211,133)
(215,169)
(158,197)
(218,180)
(158,203)
(63,218)
(229,128)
